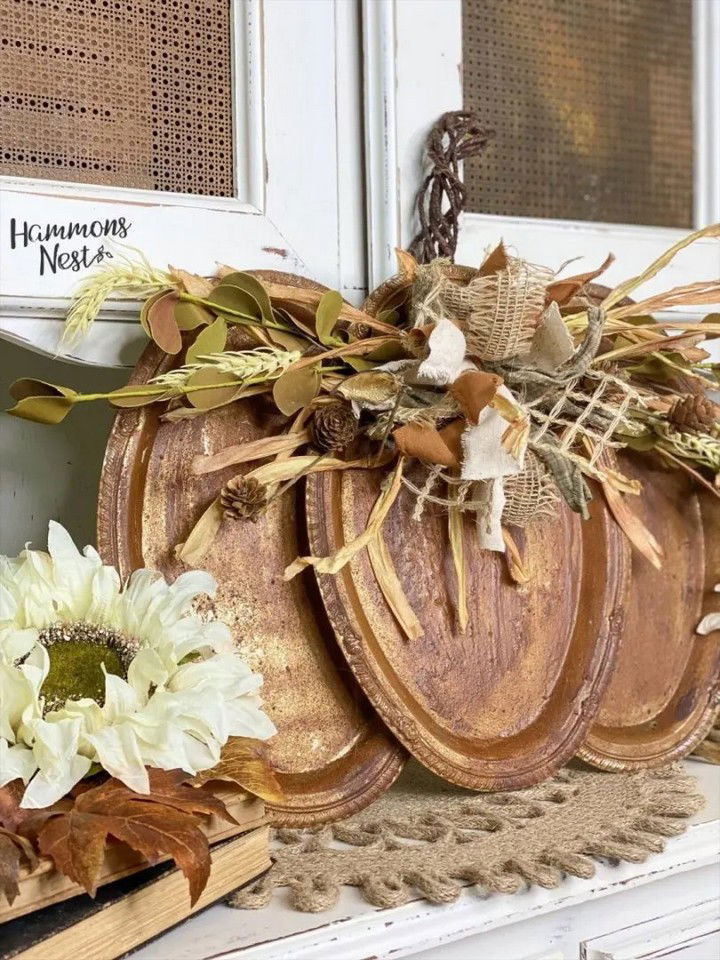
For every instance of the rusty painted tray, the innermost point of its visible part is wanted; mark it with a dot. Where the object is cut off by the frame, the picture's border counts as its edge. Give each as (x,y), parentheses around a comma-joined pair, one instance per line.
(662,697)
(332,752)
(507,703)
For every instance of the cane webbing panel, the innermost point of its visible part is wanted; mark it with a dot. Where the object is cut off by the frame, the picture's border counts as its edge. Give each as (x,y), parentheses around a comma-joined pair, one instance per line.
(133,94)
(591,102)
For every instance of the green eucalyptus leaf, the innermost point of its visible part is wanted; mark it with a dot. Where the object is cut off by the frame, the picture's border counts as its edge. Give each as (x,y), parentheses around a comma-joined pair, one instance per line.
(295,388)
(227,297)
(46,408)
(189,316)
(210,340)
(131,396)
(216,388)
(253,288)
(326,317)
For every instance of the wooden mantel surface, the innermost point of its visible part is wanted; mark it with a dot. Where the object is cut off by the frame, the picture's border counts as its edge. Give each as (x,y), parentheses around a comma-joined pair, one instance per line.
(546,920)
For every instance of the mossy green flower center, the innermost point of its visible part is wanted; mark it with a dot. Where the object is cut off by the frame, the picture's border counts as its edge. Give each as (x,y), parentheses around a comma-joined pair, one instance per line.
(78,652)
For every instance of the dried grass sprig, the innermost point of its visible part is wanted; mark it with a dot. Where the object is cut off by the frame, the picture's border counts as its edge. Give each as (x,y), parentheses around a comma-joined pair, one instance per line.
(130,278)
(248,366)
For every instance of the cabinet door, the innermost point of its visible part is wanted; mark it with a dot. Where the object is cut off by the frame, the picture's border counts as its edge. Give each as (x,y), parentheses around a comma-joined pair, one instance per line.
(197,132)
(690,934)
(605,112)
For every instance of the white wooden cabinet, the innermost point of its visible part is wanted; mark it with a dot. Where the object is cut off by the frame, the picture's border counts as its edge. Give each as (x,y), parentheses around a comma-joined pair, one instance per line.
(629,911)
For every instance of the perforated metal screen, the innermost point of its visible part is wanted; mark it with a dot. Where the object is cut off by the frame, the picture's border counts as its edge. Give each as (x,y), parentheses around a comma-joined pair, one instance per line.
(591,101)
(133,94)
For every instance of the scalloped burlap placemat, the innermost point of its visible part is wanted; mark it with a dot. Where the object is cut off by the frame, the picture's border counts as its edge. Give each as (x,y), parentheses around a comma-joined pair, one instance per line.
(426,838)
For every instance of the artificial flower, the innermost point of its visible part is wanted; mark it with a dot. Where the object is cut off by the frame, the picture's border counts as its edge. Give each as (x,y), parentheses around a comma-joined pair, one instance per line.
(124,677)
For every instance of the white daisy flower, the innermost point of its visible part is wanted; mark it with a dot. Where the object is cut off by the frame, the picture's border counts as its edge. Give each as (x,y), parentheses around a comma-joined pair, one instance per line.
(91,673)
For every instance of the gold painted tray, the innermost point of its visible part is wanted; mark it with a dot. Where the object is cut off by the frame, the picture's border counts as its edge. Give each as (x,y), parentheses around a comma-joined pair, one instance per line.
(332,752)
(508,702)
(664,691)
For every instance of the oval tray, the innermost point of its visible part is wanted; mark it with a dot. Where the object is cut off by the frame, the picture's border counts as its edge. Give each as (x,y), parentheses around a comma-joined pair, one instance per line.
(332,753)
(507,703)
(662,697)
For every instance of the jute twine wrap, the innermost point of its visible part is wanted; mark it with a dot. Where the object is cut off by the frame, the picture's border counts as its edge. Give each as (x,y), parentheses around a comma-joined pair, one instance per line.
(498,313)
(426,838)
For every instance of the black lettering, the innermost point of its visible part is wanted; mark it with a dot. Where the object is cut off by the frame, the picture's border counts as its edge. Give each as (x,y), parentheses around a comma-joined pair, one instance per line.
(51,259)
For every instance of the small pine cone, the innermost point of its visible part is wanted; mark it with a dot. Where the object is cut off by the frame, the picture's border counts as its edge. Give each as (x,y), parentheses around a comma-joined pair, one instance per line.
(694,413)
(334,426)
(243,498)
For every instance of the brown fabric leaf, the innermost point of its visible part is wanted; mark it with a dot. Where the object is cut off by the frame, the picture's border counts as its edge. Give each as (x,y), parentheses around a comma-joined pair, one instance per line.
(243,761)
(168,787)
(474,390)
(151,825)
(424,442)
(451,435)
(495,261)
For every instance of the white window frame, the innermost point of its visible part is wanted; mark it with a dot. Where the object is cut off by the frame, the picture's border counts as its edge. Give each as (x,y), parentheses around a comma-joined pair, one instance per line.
(413,74)
(299,183)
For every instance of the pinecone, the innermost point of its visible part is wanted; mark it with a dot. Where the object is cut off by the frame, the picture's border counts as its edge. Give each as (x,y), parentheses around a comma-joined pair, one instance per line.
(695,413)
(334,426)
(243,498)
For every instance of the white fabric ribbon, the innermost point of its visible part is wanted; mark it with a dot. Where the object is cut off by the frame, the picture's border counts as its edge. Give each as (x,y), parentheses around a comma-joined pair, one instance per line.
(447,354)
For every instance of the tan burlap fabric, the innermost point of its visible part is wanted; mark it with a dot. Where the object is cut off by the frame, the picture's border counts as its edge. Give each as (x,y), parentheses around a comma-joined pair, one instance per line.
(428,839)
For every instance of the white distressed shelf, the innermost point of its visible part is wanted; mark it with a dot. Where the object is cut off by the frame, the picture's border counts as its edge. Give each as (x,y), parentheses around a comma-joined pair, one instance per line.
(534,925)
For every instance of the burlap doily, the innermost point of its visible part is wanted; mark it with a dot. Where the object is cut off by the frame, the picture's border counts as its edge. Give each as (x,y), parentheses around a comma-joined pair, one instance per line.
(426,838)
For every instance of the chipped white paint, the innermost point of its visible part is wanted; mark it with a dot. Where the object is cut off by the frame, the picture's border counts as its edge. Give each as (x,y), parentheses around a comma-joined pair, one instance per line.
(424,78)
(534,925)
(298,130)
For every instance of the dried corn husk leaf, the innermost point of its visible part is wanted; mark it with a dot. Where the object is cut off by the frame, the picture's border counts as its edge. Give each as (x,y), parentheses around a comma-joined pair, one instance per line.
(633,527)
(162,324)
(391,588)
(380,510)
(297,387)
(281,470)
(625,289)
(516,568)
(295,296)
(210,340)
(457,549)
(191,282)
(327,316)
(201,538)
(209,388)
(407,264)
(245,452)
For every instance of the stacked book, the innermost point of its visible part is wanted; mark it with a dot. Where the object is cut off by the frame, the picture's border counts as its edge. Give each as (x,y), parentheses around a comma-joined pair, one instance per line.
(54,919)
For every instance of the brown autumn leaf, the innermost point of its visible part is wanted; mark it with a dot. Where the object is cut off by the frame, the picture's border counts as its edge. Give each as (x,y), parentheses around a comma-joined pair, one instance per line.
(11,815)
(495,261)
(13,849)
(168,787)
(191,282)
(243,761)
(155,825)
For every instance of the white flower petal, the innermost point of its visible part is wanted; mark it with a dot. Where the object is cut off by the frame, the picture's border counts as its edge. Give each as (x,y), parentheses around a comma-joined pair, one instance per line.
(118,752)
(708,623)
(246,719)
(16,644)
(8,603)
(47,788)
(55,743)
(120,698)
(16,763)
(146,670)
